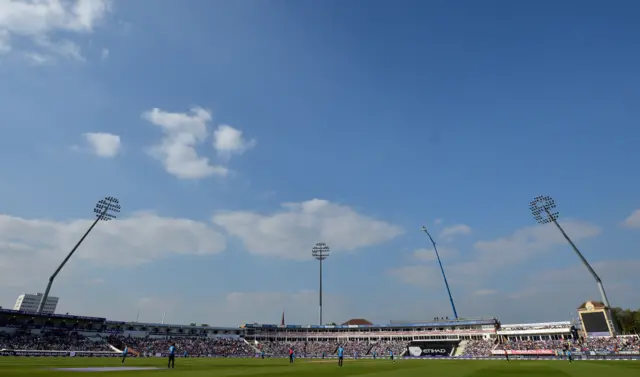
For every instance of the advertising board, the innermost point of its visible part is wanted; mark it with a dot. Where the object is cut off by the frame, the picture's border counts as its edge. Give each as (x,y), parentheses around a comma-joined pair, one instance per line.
(37,353)
(431,349)
(524,352)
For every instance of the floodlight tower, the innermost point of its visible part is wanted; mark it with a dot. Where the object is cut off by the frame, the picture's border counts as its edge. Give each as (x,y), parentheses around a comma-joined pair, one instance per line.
(320,251)
(106,209)
(453,306)
(541,207)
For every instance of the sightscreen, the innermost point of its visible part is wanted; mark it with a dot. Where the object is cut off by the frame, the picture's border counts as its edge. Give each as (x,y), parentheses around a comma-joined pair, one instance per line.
(595,323)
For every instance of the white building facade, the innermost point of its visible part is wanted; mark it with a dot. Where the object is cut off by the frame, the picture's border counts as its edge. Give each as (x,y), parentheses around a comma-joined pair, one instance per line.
(29,303)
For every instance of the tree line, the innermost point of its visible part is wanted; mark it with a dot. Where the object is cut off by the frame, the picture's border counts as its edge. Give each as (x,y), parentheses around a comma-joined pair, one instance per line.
(628,320)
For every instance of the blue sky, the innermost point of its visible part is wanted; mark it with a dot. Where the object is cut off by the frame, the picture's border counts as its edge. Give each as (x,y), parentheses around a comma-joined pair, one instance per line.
(369,118)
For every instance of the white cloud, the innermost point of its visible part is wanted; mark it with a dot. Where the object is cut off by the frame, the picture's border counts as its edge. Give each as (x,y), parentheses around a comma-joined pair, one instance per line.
(300,307)
(536,291)
(292,232)
(437,221)
(64,48)
(429,255)
(127,306)
(530,241)
(455,230)
(420,275)
(633,221)
(182,133)
(103,144)
(484,292)
(37,58)
(41,17)
(491,256)
(228,141)
(105,53)
(5,47)
(610,271)
(39,20)
(232,309)
(619,277)
(425,275)
(31,247)
(537,294)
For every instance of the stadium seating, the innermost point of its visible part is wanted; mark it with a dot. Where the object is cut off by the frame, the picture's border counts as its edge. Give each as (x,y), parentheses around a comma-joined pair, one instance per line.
(318,348)
(193,346)
(52,342)
(478,348)
(92,335)
(604,344)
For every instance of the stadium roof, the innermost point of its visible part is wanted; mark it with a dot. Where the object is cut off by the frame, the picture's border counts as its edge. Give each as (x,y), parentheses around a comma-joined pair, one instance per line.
(357,321)
(50,315)
(596,305)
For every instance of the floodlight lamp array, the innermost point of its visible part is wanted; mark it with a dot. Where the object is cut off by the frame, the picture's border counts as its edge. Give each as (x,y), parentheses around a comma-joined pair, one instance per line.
(107,208)
(320,251)
(541,208)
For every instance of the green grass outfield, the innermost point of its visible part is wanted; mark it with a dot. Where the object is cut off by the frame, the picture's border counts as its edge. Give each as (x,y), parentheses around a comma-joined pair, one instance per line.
(35,366)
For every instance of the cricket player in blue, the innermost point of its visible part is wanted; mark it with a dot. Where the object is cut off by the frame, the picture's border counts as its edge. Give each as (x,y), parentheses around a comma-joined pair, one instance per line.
(391,355)
(340,356)
(124,353)
(569,357)
(172,356)
(355,355)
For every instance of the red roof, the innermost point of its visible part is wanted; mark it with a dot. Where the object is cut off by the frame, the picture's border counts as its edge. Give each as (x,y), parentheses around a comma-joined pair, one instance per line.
(596,305)
(357,321)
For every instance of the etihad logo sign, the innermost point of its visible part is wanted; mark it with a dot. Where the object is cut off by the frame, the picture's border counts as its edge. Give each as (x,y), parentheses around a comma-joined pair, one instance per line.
(434,350)
(417,351)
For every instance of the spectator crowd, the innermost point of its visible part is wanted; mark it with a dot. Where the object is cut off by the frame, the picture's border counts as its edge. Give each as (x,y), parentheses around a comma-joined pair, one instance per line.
(476,348)
(204,346)
(599,344)
(530,345)
(611,344)
(192,346)
(52,342)
(329,348)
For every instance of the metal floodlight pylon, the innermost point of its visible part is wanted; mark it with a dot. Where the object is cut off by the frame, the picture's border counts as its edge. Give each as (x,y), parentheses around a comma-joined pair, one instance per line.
(444,276)
(320,251)
(106,209)
(543,210)
(541,207)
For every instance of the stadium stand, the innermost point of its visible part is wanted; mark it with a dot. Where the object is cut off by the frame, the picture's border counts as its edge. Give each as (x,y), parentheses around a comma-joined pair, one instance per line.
(478,348)
(24,333)
(192,346)
(50,341)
